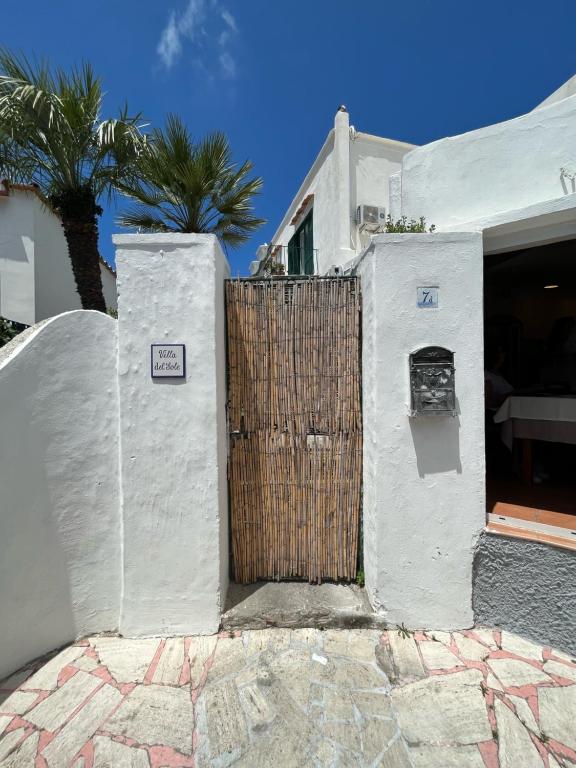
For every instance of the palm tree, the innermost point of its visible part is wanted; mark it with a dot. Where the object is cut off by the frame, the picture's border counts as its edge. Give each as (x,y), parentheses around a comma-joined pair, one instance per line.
(182,186)
(51,134)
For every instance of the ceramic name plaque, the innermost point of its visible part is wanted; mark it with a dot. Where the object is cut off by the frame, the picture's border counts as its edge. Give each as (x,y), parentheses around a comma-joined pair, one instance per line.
(168,361)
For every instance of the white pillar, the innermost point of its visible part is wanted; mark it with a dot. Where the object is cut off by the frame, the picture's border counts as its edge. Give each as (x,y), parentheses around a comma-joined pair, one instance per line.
(424,494)
(173,434)
(395,195)
(342,182)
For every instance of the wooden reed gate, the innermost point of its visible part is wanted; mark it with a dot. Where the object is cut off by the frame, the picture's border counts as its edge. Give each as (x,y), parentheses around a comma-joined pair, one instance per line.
(295,424)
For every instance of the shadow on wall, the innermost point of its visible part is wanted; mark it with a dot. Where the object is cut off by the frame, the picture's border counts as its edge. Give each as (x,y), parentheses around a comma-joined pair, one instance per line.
(35,594)
(436,441)
(59,505)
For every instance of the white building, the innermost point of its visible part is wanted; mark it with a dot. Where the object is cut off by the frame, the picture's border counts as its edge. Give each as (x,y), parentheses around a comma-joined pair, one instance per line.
(512,187)
(36,279)
(498,180)
(104,462)
(319,228)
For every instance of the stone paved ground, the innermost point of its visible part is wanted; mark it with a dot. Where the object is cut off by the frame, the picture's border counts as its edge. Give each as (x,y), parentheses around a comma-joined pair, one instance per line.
(300,697)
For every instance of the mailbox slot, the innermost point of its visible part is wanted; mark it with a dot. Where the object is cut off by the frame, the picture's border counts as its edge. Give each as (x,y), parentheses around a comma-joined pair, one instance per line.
(432,381)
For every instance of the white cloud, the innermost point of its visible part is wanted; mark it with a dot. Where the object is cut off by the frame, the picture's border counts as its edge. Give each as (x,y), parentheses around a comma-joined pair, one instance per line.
(205,25)
(169,47)
(227,65)
(192,17)
(230,20)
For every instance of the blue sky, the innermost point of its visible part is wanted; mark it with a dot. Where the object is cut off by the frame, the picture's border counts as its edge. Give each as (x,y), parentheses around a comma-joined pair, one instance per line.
(272,74)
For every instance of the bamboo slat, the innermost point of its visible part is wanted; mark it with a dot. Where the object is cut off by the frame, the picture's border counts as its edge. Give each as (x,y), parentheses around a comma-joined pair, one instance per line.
(295,425)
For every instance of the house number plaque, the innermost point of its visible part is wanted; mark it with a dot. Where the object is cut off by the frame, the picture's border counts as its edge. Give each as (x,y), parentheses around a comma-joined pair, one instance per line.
(427,297)
(168,361)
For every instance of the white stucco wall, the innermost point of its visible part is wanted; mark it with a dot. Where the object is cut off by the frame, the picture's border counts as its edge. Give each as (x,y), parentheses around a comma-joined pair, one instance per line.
(17,257)
(424,492)
(503,167)
(36,278)
(320,181)
(372,161)
(109,287)
(55,287)
(566,90)
(352,168)
(173,435)
(59,486)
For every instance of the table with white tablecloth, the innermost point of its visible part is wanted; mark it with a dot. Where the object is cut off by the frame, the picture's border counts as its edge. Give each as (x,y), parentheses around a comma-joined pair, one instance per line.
(550,418)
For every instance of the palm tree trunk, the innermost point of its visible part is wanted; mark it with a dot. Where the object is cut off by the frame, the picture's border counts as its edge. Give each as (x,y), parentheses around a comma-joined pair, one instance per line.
(78,211)
(82,239)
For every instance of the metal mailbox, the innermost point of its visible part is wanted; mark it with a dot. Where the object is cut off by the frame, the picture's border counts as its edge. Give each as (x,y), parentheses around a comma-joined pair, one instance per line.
(432,381)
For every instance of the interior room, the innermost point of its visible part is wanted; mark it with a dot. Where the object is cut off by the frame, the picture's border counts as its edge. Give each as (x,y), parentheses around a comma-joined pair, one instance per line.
(530,391)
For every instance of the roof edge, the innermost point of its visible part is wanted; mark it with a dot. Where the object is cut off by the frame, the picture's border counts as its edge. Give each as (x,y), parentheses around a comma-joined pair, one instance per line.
(395,143)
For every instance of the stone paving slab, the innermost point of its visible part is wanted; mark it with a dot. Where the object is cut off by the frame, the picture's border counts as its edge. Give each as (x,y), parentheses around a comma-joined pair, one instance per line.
(112,754)
(526,649)
(18,703)
(304,698)
(47,677)
(446,757)
(76,733)
(4,721)
(516,673)
(448,708)
(227,727)
(558,714)
(437,656)
(514,740)
(524,713)
(155,714)
(567,671)
(405,656)
(127,660)
(53,712)
(471,649)
(396,756)
(170,664)
(25,755)
(199,651)
(10,740)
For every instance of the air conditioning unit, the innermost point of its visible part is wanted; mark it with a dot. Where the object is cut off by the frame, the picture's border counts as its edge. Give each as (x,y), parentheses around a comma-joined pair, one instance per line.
(370,217)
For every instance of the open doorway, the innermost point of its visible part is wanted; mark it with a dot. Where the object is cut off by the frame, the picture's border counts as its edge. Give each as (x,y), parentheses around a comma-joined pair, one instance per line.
(530,385)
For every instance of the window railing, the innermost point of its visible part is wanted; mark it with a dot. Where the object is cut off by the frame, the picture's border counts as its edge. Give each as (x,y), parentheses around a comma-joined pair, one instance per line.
(276,261)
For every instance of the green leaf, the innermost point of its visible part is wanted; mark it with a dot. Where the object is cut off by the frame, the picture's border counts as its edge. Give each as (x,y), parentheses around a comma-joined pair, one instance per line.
(179,185)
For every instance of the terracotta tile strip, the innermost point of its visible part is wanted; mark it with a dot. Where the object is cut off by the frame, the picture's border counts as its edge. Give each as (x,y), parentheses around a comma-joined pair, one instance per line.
(524,533)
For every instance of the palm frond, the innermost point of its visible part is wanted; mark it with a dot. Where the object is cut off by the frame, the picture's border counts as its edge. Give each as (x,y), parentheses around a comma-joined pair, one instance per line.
(54,117)
(192,187)
(139,218)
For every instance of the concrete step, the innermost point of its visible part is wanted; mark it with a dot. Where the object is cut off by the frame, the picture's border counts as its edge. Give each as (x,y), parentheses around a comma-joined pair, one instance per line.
(298,605)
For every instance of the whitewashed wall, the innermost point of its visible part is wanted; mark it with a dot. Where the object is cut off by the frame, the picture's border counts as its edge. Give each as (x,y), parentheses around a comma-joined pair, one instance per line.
(109,287)
(17,258)
(372,161)
(36,278)
(424,503)
(54,285)
(173,435)
(59,486)
(320,181)
(352,168)
(503,167)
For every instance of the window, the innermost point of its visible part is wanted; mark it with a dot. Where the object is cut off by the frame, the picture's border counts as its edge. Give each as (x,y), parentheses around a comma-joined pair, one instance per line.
(301,249)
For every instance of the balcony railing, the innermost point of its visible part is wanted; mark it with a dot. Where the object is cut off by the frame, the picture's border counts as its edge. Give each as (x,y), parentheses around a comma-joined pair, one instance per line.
(276,261)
